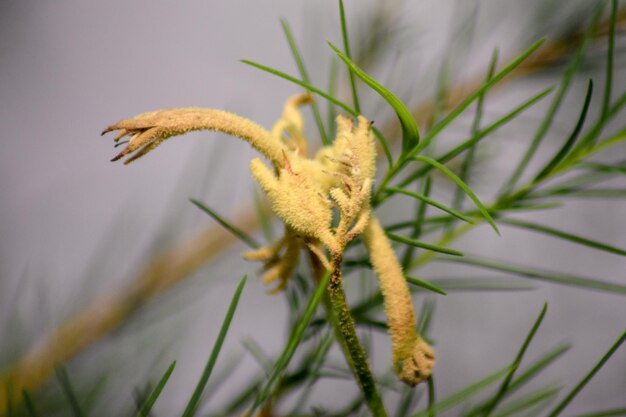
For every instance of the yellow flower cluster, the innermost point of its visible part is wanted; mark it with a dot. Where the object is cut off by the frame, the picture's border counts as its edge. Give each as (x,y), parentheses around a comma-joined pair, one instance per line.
(304,193)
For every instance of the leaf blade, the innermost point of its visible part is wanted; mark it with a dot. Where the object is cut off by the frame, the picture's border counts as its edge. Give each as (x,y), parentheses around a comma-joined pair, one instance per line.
(410,132)
(194,401)
(459,182)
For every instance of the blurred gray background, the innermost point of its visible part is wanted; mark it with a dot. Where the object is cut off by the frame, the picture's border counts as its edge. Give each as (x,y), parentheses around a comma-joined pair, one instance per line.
(74,225)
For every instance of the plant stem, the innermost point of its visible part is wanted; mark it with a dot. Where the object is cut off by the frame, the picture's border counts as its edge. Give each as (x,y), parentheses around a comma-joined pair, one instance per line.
(340,318)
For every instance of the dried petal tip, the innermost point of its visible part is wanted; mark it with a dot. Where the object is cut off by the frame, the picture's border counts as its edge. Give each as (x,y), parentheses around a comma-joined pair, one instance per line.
(419,365)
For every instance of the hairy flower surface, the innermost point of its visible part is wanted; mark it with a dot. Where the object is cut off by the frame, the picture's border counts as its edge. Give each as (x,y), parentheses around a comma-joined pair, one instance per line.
(304,193)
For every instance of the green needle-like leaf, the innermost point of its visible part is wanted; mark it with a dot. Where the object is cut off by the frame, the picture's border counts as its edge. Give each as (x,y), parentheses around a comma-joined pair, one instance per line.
(292,344)
(474,96)
(423,245)
(479,284)
(525,402)
(416,225)
(459,182)
(561,406)
(471,142)
(346,48)
(569,143)
(554,107)
(537,367)
(464,394)
(563,235)
(328,97)
(30,405)
(154,395)
(526,376)
(68,390)
(610,55)
(305,77)
(606,413)
(554,277)
(194,401)
(502,391)
(425,284)
(431,202)
(240,234)
(304,84)
(410,133)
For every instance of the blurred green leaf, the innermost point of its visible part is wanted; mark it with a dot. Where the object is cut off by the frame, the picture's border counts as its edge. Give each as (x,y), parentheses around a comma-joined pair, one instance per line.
(464,394)
(423,245)
(144,411)
(574,392)
(68,390)
(292,344)
(459,182)
(425,284)
(553,277)
(194,401)
(240,234)
(346,48)
(563,235)
(431,202)
(502,391)
(305,77)
(410,133)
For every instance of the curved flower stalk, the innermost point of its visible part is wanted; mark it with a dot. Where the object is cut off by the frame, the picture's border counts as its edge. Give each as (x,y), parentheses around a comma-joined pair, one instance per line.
(304,192)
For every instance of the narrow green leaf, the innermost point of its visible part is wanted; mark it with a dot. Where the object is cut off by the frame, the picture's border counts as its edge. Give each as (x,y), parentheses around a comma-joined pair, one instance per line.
(527,401)
(471,142)
(68,390)
(568,75)
(305,77)
(475,95)
(194,401)
(240,234)
(561,406)
(407,402)
(410,133)
(526,376)
(304,84)
(416,225)
(563,235)
(432,396)
(423,245)
(610,55)
(606,413)
(154,395)
(468,161)
(425,284)
(481,207)
(426,318)
(328,97)
(292,344)
(582,193)
(346,48)
(259,356)
(431,202)
(479,284)
(584,149)
(604,168)
(30,405)
(537,367)
(567,146)
(332,91)
(263,214)
(554,277)
(502,391)
(464,394)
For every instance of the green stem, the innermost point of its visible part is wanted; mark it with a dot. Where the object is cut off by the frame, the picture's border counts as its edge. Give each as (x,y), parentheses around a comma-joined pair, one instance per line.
(345,331)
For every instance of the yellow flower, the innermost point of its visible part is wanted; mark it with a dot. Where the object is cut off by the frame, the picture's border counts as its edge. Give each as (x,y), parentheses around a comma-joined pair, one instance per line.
(303,192)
